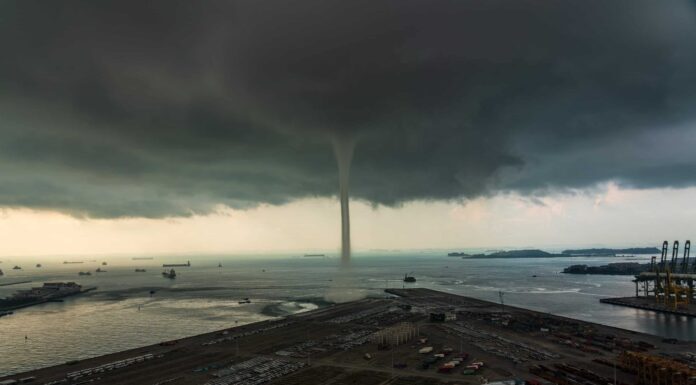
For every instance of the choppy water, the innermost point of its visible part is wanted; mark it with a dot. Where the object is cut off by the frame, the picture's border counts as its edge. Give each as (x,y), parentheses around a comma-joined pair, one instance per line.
(204,297)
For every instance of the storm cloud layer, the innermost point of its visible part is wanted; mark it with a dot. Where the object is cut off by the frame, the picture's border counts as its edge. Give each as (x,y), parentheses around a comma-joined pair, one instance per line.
(166,108)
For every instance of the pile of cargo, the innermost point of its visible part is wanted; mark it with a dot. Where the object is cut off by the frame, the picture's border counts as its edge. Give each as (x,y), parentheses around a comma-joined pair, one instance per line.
(255,371)
(652,369)
(448,366)
(453,360)
(498,345)
(233,337)
(72,376)
(596,343)
(355,316)
(564,374)
(347,340)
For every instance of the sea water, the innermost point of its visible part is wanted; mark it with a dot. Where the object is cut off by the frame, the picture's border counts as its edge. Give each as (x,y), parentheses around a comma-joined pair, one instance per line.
(122,314)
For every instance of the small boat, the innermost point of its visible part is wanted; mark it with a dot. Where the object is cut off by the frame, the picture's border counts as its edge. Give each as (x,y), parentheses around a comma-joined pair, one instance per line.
(103,263)
(140,270)
(16,268)
(220,264)
(99,270)
(38,265)
(84,273)
(245,300)
(171,274)
(409,278)
(1,273)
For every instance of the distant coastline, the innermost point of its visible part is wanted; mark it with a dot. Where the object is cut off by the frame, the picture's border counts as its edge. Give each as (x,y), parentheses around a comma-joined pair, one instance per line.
(612,252)
(621,268)
(536,253)
(532,253)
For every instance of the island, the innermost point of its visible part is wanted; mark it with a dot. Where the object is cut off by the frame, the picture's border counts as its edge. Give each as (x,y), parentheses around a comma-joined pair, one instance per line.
(532,253)
(620,268)
(612,252)
(536,253)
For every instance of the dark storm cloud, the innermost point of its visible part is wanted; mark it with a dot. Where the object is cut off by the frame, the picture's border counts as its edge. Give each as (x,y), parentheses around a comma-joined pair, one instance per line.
(131,108)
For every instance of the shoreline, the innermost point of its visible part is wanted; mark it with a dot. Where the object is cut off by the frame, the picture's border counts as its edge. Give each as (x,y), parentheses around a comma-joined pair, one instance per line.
(283,341)
(649,304)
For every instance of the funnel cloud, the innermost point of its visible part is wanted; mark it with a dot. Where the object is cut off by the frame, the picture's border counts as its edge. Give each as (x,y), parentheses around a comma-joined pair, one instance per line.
(344,147)
(171,108)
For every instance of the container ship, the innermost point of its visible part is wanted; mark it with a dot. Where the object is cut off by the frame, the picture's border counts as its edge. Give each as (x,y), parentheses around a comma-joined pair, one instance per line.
(187,264)
(50,291)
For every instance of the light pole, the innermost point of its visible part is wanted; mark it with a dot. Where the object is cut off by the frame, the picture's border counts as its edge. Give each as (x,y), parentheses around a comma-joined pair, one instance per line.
(392,365)
(615,358)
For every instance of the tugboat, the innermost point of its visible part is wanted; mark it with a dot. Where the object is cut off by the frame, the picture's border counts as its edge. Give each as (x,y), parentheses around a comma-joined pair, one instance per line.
(171,274)
(16,268)
(84,273)
(409,278)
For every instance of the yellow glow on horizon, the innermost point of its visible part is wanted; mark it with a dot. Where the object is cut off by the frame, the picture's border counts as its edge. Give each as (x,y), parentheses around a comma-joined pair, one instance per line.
(611,216)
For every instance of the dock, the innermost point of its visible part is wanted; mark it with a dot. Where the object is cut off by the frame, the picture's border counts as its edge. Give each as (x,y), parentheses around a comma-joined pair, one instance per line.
(667,287)
(413,336)
(46,300)
(649,303)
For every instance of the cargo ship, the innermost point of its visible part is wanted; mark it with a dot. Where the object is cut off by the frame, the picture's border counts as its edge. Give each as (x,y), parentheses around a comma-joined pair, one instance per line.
(187,264)
(50,291)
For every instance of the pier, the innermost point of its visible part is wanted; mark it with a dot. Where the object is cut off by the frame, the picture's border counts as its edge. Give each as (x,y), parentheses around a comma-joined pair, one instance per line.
(46,300)
(650,304)
(668,287)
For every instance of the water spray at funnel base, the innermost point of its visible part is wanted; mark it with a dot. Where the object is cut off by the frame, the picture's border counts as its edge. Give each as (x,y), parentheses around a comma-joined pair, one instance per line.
(343,288)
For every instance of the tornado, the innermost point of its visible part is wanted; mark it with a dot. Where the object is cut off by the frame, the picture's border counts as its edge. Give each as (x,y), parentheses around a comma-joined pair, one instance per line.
(343,148)
(344,288)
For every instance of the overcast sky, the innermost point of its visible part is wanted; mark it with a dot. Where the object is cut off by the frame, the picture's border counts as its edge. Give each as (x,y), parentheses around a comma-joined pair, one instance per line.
(177,126)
